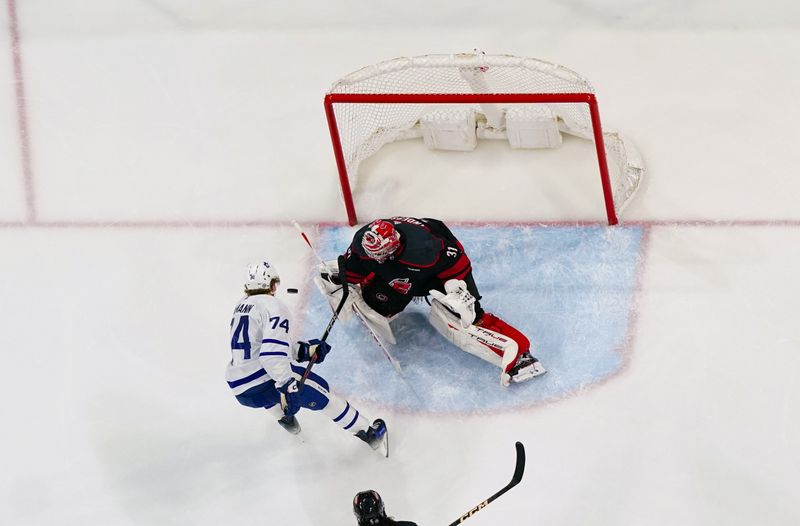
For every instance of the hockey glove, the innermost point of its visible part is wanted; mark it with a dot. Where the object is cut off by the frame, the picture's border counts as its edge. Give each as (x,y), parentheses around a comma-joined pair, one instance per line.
(308,349)
(458,299)
(290,397)
(331,288)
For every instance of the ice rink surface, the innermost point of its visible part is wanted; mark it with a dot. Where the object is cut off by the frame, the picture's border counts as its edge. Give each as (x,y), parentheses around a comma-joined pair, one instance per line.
(150,149)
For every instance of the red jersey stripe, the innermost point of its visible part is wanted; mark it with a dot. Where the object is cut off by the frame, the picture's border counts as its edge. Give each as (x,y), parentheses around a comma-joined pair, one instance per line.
(462,263)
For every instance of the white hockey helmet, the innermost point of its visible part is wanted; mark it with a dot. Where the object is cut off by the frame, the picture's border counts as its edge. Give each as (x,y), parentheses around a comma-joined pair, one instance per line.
(261,276)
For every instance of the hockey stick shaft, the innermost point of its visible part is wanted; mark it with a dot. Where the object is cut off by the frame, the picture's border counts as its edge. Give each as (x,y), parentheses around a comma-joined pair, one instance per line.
(519,470)
(343,279)
(345,292)
(308,242)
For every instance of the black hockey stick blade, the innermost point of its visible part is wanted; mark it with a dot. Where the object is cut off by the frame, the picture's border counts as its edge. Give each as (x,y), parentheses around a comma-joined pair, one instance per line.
(519,470)
(345,292)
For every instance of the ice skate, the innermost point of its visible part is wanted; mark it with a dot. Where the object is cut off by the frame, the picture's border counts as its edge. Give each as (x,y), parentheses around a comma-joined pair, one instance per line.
(376,436)
(527,367)
(290,424)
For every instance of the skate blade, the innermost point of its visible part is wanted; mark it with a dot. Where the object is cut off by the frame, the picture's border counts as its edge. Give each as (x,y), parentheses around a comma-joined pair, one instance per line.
(383,447)
(293,429)
(531,372)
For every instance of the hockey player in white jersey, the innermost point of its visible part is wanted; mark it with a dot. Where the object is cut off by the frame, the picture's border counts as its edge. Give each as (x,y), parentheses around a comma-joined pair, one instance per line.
(264,373)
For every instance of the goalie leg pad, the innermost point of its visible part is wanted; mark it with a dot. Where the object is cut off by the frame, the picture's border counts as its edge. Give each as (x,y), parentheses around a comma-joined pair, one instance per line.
(485,343)
(493,323)
(376,321)
(327,283)
(521,367)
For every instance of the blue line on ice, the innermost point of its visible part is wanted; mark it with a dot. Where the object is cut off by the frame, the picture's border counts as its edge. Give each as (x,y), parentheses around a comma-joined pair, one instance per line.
(570,289)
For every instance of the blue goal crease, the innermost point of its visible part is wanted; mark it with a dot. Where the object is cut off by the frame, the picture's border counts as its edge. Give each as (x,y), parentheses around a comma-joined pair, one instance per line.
(569,289)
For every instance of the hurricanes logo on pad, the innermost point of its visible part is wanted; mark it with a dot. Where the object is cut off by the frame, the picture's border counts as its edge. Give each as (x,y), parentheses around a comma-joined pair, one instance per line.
(401,285)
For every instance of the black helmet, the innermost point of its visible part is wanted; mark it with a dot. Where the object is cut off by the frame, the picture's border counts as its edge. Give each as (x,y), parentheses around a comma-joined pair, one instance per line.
(368,508)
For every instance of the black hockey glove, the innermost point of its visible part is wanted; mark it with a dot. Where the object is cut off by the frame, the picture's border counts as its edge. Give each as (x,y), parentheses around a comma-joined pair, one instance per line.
(308,349)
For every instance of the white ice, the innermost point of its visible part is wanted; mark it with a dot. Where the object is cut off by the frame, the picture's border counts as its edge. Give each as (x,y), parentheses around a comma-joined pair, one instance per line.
(171,141)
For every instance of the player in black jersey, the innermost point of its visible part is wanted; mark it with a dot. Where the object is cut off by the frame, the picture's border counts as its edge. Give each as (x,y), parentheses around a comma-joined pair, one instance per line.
(394,260)
(369,511)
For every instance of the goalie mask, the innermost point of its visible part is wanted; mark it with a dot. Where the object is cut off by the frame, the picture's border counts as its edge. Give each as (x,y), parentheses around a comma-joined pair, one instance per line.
(368,508)
(261,276)
(381,240)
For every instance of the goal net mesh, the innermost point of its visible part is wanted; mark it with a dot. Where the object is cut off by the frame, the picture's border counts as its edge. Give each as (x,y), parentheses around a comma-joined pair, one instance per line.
(366,127)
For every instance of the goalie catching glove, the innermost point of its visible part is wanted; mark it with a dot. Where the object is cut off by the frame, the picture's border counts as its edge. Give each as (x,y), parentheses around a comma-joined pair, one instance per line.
(458,299)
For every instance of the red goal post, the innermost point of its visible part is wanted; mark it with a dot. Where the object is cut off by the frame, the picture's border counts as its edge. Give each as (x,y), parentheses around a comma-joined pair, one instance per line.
(386,102)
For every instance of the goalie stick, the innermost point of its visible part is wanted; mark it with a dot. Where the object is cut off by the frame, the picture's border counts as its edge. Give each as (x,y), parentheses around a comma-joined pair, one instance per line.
(375,337)
(519,469)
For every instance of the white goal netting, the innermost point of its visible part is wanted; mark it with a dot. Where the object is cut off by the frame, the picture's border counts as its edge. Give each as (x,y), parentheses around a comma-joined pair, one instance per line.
(378,118)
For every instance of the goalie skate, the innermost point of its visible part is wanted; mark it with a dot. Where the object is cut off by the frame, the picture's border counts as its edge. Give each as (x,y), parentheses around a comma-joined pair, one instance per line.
(527,367)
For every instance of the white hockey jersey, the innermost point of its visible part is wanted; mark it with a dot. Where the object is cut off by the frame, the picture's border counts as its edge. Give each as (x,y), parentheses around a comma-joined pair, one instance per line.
(261,344)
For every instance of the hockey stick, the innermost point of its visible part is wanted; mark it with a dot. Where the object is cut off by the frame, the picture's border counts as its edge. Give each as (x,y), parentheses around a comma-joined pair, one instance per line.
(519,469)
(345,292)
(343,279)
(308,242)
(289,420)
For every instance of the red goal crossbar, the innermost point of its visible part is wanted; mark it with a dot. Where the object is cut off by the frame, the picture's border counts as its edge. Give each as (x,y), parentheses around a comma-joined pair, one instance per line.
(456,98)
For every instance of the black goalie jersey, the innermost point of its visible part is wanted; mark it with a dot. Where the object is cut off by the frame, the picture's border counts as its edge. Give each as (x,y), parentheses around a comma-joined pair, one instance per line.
(429,255)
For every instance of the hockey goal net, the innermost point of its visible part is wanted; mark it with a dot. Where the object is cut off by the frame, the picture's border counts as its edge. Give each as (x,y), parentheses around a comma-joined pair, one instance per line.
(453,100)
